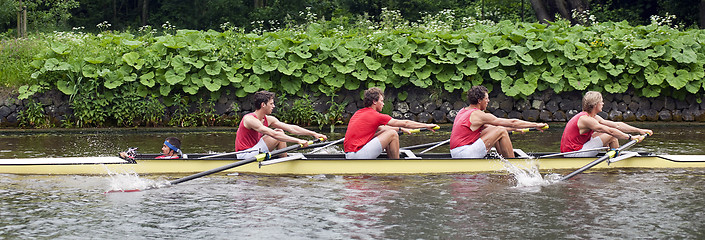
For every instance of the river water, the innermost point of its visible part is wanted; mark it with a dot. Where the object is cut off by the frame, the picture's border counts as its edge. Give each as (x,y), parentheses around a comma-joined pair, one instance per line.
(609,204)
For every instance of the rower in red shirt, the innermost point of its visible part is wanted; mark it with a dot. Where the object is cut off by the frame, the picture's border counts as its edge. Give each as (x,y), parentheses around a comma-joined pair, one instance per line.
(369,131)
(476,132)
(263,132)
(587,130)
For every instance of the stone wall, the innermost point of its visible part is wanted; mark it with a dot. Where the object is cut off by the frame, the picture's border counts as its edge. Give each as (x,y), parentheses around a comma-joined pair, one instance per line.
(429,106)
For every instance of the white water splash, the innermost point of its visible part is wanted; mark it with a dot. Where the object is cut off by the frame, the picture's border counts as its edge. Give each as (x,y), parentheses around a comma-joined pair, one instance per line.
(125,182)
(528,175)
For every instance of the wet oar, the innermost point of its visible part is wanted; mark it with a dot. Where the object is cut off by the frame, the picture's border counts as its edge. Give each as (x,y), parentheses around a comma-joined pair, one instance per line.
(608,155)
(258,157)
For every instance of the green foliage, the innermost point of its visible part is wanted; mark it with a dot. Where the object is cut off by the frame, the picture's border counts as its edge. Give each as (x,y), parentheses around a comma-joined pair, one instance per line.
(204,116)
(333,116)
(33,116)
(14,56)
(108,74)
(49,14)
(300,113)
(8,13)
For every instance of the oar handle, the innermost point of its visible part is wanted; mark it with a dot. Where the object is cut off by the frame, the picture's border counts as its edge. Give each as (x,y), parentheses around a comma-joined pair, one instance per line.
(418,130)
(524,130)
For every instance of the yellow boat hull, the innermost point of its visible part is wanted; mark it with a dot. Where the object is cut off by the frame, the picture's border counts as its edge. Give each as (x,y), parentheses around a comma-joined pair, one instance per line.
(113,165)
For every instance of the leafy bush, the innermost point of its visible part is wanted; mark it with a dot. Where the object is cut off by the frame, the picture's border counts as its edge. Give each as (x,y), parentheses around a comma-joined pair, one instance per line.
(14,56)
(445,54)
(33,116)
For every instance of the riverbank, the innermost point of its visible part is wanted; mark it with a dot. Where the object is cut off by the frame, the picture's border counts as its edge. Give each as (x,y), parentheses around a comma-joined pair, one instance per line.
(416,104)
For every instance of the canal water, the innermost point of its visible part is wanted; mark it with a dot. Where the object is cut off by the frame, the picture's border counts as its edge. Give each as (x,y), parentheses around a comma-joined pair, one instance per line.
(609,204)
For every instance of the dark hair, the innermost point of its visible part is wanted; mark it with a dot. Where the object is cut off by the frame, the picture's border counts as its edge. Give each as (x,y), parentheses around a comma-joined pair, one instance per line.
(476,93)
(174,142)
(262,97)
(372,95)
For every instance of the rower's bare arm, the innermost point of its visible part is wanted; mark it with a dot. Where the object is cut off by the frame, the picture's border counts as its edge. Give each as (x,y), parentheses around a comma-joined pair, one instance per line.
(598,124)
(510,123)
(254,124)
(626,128)
(410,124)
(293,129)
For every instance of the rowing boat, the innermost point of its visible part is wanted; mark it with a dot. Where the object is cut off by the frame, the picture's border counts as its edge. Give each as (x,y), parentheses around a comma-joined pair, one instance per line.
(314,164)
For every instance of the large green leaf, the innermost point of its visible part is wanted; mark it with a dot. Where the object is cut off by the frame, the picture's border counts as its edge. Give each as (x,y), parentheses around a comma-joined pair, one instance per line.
(212,84)
(468,67)
(371,63)
(252,85)
(133,59)
(321,70)
(290,85)
(53,64)
(66,87)
(494,44)
(147,79)
(335,80)
(488,63)
(422,83)
(640,58)
(681,80)
(403,69)
(173,78)
(685,55)
(302,51)
(60,48)
(346,67)
(329,44)
(214,68)
(360,72)
(378,75)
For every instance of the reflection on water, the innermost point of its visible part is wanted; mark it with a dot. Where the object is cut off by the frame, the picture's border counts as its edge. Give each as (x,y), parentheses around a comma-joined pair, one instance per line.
(634,204)
(617,204)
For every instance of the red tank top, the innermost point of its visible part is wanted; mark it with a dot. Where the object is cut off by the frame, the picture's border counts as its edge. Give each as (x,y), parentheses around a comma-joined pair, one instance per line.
(247,138)
(461,134)
(362,128)
(572,140)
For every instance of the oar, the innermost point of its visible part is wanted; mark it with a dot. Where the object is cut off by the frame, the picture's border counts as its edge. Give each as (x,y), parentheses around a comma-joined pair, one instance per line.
(328,145)
(258,157)
(608,155)
(524,130)
(421,145)
(227,154)
(576,151)
(435,146)
(417,130)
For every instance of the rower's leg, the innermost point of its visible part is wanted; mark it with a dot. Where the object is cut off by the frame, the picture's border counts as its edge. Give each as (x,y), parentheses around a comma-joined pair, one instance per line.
(498,137)
(273,144)
(389,138)
(607,140)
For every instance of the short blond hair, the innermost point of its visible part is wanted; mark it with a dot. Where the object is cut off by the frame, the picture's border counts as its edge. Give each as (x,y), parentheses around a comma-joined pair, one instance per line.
(590,100)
